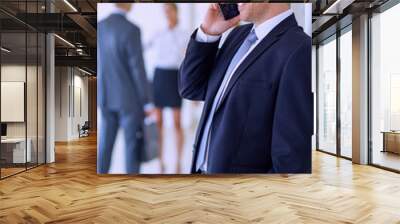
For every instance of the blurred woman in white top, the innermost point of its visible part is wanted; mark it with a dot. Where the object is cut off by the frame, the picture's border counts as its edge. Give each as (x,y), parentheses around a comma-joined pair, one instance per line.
(169,45)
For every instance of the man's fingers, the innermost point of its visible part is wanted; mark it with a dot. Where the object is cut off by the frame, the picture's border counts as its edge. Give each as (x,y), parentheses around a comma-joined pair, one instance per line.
(214,6)
(213,9)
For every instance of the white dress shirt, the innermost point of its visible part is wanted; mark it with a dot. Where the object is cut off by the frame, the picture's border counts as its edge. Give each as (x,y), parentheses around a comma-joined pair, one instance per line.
(116,10)
(169,46)
(261,32)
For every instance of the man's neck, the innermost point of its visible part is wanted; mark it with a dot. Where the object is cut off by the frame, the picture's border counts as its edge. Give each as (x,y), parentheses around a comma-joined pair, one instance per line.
(172,26)
(268,16)
(121,10)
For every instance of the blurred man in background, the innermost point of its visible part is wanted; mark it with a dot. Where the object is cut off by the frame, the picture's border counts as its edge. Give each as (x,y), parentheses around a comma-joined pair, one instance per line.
(123,88)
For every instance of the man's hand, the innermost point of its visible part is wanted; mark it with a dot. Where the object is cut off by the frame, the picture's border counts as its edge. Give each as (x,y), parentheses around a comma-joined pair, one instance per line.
(150,112)
(214,22)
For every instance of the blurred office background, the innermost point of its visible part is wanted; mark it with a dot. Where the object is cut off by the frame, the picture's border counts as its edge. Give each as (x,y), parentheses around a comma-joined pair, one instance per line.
(150,17)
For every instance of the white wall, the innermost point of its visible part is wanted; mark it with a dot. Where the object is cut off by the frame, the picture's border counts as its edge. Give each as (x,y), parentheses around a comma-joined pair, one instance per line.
(17,73)
(33,125)
(385,67)
(14,73)
(61,103)
(13,100)
(82,82)
(68,83)
(303,13)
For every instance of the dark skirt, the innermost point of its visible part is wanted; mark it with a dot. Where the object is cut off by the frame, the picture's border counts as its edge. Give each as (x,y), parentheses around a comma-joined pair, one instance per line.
(165,87)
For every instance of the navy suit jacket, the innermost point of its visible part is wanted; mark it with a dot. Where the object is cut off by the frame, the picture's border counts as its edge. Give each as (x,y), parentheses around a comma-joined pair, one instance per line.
(123,85)
(264,123)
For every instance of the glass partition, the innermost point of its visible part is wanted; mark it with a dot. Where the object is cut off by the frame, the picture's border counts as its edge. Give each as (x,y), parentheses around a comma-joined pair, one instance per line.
(327,95)
(22,88)
(13,106)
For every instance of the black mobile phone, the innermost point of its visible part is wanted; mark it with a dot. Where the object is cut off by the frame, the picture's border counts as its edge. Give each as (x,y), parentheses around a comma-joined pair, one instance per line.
(229,10)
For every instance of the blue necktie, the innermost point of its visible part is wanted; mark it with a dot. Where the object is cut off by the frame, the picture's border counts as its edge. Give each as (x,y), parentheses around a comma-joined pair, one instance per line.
(202,158)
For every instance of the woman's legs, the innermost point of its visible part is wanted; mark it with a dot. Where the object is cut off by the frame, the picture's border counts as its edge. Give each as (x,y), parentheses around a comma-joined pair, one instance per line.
(160,138)
(179,137)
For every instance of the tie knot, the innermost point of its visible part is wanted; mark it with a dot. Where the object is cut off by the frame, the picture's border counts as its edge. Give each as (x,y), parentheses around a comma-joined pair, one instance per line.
(252,37)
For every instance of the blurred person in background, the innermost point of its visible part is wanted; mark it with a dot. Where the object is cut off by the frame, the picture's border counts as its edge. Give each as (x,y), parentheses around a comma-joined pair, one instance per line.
(169,45)
(123,89)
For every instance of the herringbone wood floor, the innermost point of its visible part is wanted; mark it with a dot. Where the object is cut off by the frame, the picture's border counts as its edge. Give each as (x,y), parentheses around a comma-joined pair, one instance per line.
(69,191)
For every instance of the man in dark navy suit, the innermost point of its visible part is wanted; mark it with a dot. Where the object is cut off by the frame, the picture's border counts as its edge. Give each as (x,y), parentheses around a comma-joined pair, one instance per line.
(256,88)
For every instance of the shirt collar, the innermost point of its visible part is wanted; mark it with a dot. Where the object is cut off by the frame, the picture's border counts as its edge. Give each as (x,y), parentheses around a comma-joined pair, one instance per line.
(119,11)
(173,29)
(266,27)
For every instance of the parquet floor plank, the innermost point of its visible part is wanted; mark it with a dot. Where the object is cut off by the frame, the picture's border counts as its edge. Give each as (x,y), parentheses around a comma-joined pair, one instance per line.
(70,191)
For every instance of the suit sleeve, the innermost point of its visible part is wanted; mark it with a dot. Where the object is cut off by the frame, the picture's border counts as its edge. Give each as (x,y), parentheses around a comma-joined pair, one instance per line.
(196,68)
(136,65)
(293,116)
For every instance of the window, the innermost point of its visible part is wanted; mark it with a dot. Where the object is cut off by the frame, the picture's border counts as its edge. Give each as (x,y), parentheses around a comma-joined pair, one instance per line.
(385,89)
(346,92)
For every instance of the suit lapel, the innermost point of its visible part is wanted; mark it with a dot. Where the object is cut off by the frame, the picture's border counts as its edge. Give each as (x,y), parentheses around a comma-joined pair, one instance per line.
(219,75)
(266,43)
